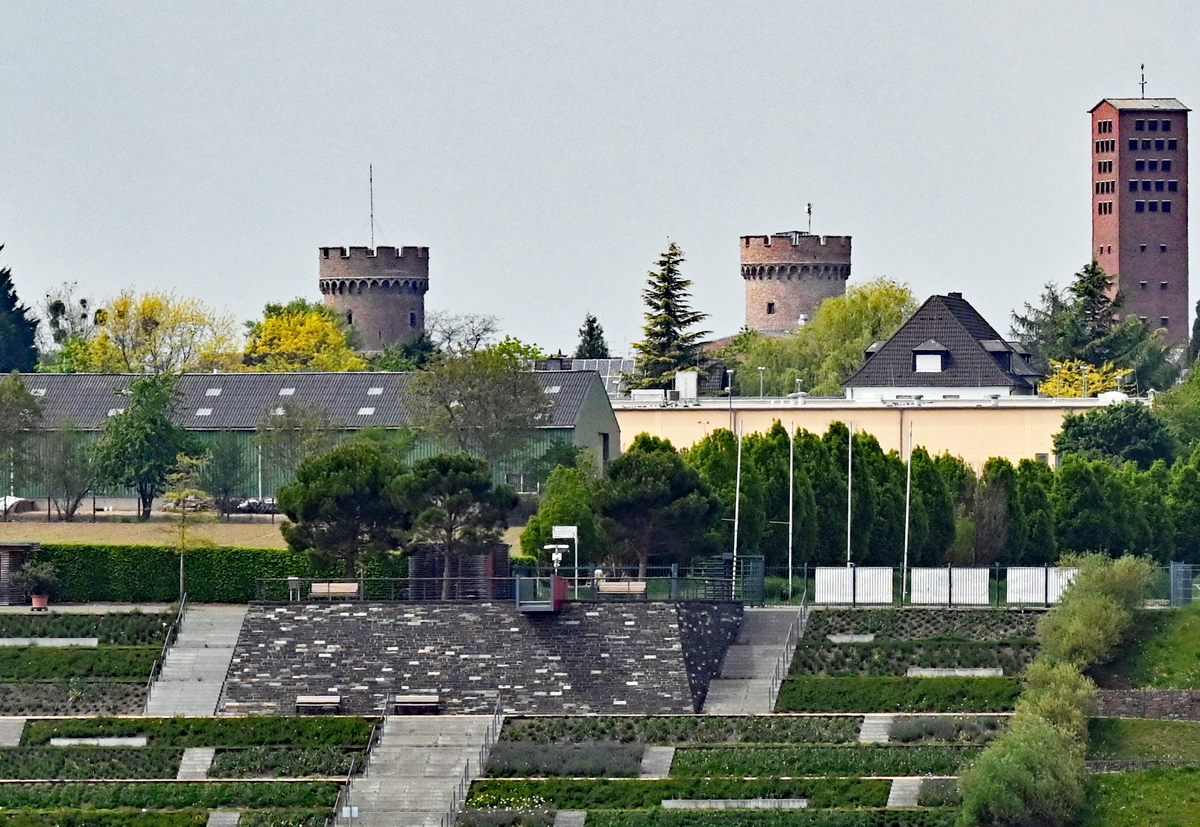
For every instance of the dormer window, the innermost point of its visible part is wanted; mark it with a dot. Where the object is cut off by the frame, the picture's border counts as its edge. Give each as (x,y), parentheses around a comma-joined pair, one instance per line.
(929,357)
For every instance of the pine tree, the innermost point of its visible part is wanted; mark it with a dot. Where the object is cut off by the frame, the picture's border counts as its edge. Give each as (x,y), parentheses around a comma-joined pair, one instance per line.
(18,332)
(668,347)
(591,340)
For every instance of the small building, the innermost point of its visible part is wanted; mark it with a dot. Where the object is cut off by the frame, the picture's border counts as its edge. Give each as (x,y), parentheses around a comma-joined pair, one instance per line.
(946,350)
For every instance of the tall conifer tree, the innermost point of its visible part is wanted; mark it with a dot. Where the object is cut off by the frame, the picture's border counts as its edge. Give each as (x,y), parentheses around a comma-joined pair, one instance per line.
(669,346)
(18,332)
(591,340)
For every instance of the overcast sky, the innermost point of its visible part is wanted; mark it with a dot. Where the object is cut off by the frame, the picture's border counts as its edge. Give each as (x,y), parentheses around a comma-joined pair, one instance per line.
(545,152)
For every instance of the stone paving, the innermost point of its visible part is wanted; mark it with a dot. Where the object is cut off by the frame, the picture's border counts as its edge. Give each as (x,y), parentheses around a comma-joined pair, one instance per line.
(593,657)
(904,792)
(10,731)
(744,685)
(194,671)
(876,728)
(195,763)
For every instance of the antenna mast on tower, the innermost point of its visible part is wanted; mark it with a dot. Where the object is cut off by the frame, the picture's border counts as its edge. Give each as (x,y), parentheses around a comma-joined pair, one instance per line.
(1143,81)
(371,185)
(810,218)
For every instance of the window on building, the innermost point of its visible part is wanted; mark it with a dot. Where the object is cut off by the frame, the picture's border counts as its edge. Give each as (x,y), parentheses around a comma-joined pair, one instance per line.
(412,319)
(1166,206)
(374,391)
(1142,285)
(203,411)
(770,308)
(1166,126)
(1143,249)
(1044,459)
(1139,164)
(287,391)
(1164,321)
(1146,143)
(1162,285)
(1172,144)
(605,449)
(213,392)
(1133,186)
(1166,166)
(1140,206)
(1152,205)
(349,317)
(1139,126)
(1145,186)
(928,363)
(1153,126)
(1152,166)
(366,411)
(1172,186)
(1159,186)
(1160,145)
(1162,248)
(1133,144)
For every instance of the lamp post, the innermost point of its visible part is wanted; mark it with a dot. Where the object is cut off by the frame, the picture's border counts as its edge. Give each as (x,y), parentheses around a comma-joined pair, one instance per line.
(760,380)
(1085,370)
(569,532)
(556,553)
(729,384)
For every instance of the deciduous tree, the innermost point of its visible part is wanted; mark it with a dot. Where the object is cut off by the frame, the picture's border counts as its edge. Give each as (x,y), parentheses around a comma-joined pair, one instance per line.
(20,415)
(669,344)
(567,500)
(300,337)
(68,468)
(1127,432)
(224,474)
(288,434)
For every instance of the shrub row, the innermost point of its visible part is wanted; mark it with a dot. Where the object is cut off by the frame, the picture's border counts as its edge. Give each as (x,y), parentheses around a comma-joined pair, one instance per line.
(179,795)
(173,818)
(284,818)
(284,762)
(113,629)
(515,759)
(922,624)
(809,694)
(866,760)
(73,697)
(603,794)
(527,817)
(44,663)
(684,729)
(971,729)
(89,762)
(210,732)
(893,658)
(752,818)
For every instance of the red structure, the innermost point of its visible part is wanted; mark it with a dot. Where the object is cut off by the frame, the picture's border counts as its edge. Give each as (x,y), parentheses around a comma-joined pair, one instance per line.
(788,275)
(1140,207)
(381,291)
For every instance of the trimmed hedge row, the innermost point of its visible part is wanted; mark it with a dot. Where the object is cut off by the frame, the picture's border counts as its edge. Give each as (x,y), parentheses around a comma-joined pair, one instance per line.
(914,623)
(44,663)
(113,629)
(752,818)
(683,729)
(810,694)
(174,818)
(210,732)
(865,760)
(594,759)
(605,794)
(179,795)
(284,762)
(894,657)
(82,763)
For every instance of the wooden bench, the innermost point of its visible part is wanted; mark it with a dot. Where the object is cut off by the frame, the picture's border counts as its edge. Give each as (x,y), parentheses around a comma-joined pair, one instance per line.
(332,590)
(309,704)
(416,705)
(629,587)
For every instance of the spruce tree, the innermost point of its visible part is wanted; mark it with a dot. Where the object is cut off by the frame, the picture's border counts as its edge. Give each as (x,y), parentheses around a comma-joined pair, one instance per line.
(18,332)
(591,340)
(669,346)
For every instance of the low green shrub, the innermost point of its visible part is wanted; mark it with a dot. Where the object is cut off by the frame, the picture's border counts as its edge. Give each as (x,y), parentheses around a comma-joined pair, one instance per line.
(325,731)
(911,623)
(939,792)
(970,729)
(768,818)
(73,697)
(179,795)
(44,663)
(516,759)
(603,794)
(284,762)
(529,817)
(107,818)
(82,763)
(808,694)
(894,657)
(793,761)
(684,729)
(113,629)
(1059,695)
(284,818)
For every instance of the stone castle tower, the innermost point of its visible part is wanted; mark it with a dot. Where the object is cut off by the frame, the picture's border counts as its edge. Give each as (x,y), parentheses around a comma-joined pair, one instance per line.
(789,274)
(381,292)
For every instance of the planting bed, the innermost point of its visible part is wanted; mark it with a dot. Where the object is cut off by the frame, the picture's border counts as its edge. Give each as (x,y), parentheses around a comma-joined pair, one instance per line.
(922,624)
(1145,798)
(157,796)
(20,664)
(816,694)
(1117,739)
(840,761)
(593,759)
(82,763)
(970,729)
(751,818)
(114,629)
(171,818)
(284,762)
(210,732)
(73,698)
(684,729)
(893,658)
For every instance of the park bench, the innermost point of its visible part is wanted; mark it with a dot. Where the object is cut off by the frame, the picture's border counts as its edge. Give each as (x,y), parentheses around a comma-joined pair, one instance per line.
(310,704)
(626,587)
(332,590)
(416,705)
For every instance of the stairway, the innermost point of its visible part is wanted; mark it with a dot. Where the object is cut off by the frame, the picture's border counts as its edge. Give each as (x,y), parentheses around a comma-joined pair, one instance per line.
(876,729)
(415,768)
(194,671)
(744,685)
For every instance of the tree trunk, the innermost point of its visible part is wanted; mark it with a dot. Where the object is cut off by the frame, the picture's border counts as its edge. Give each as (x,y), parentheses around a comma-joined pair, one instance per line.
(447,570)
(147,501)
(643,562)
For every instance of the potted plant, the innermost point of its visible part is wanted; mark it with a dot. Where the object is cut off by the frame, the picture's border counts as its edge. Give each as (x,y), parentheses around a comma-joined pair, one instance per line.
(39,579)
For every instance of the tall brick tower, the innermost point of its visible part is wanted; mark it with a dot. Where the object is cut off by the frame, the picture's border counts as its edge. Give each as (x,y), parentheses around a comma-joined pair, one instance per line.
(380,291)
(1140,207)
(788,274)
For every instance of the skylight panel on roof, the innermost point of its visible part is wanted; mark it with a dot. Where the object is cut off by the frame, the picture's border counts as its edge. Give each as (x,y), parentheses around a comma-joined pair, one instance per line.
(553,389)
(213,392)
(115,411)
(203,411)
(366,411)
(287,391)
(38,392)
(277,412)
(374,391)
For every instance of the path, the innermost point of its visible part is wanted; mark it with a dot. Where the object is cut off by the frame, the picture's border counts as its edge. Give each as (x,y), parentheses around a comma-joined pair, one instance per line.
(876,728)
(415,768)
(744,686)
(904,792)
(192,675)
(10,731)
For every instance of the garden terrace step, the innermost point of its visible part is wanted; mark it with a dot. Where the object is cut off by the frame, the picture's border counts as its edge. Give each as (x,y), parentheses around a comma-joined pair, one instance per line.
(195,763)
(570,818)
(904,792)
(876,729)
(744,685)
(194,670)
(224,818)
(656,762)
(10,731)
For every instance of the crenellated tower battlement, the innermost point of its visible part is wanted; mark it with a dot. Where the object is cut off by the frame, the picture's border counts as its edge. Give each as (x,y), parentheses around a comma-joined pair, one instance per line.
(381,291)
(788,275)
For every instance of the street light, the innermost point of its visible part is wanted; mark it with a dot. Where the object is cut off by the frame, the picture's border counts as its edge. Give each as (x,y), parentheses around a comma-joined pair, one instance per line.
(729,384)
(556,553)
(760,380)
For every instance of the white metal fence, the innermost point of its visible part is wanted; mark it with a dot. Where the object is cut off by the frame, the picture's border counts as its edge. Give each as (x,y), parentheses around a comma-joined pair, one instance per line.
(946,586)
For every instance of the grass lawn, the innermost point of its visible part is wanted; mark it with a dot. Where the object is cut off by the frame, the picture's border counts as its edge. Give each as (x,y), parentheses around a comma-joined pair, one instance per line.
(1163,652)
(154,533)
(1149,798)
(1118,739)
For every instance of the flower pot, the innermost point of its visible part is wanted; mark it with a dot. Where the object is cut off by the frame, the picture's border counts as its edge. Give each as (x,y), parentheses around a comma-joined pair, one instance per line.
(40,602)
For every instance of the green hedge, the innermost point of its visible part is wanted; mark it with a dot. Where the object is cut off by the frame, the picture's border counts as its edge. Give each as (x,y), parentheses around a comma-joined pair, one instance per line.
(593,759)
(210,732)
(284,818)
(113,629)
(284,762)
(44,663)
(753,818)
(604,794)
(894,657)
(809,694)
(82,763)
(108,818)
(178,796)
(683,729)
(865,760)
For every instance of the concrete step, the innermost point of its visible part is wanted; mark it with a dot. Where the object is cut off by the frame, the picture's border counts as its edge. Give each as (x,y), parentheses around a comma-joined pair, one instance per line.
(224,818)
(570,818)
(750,661)
(197,662)
(656,762)
(904,792)
(10,731)
(875,729)
(195,763)
(761,626)
(738,697)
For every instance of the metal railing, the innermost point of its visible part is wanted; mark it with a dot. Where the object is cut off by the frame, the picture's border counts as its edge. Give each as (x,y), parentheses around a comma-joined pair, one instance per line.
(342,804)
(795,632)
(458,798)
(172,633)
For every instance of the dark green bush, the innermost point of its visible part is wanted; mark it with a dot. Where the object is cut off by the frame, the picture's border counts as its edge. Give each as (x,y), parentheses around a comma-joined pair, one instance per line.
(864,760)
(807,694)
(684,729)
(939,792)
(113,629)
(155,796)
(284,762)
(970,729)
(894,657)
(88,762)
(107,818)
(530,817)
(517,759)
(633,795)
(253,731)
(44,663)
(767,818)
(284,818)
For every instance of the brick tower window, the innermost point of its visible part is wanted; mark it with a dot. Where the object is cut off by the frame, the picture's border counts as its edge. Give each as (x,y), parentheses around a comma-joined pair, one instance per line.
(770,308)
(350,317)
(412,319)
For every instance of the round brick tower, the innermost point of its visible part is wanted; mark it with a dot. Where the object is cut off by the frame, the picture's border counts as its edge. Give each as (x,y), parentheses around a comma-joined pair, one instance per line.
(381,292)
(789,274)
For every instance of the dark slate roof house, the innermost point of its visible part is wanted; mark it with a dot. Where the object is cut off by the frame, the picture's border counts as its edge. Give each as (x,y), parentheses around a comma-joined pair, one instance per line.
(946,350)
